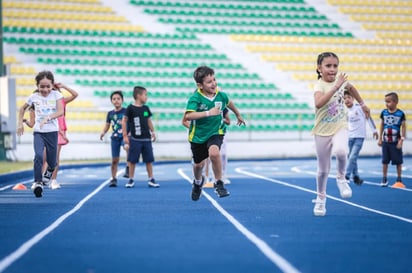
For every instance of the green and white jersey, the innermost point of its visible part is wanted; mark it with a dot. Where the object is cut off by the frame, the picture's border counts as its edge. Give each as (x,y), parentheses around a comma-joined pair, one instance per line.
(202,129)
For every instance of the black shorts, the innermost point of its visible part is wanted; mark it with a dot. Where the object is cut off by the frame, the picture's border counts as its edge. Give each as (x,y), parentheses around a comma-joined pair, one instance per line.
(201,151)
(391,153)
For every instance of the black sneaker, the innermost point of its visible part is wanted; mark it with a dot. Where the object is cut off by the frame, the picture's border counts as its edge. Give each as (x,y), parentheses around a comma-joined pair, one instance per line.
(113,183)
(38,189)
(357,180)
(220,189)
(384,182)
(126,172)
(197,189)
(47,175)
(130,184)
(152,183)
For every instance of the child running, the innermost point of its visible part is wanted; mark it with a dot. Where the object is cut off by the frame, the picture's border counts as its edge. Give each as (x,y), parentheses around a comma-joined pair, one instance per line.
(114,119)
(392,133)
(206,131)
(331,127)
(357,133)
(47,105)
(138,118)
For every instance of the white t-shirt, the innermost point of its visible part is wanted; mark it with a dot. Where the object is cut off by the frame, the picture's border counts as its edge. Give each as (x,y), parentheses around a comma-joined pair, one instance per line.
(357,122)
(44,107)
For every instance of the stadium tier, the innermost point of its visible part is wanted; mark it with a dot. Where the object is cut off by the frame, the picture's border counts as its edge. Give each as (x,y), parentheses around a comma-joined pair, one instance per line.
(97,49)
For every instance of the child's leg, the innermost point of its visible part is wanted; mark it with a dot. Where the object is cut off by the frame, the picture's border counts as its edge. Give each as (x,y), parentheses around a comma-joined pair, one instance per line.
(399,172)
(50,141)
(198,168)
(115,163)
(385,170)
(115,146)
(214,155)
(149,169)
(323,151)
(355,149)
(340,147)
(132,167)
(223,155)
(207,165)
(38,146)
(54,175)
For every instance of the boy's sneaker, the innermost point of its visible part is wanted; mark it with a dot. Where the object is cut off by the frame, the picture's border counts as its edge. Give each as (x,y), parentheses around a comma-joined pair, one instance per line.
(130,184)
(220,189)
(384,182)
(38,189)
(344,189)
(320,206)
(197,189)
(152,183)
(47,175)
(126,172)
(357,180)
(113,183)
(54,185)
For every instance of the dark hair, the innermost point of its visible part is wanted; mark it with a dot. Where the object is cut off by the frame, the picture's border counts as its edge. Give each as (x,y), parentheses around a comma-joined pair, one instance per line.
(346,92)
(323,56)
(201,73)
(118,92)
(138,90)
(44,74)
(393,95)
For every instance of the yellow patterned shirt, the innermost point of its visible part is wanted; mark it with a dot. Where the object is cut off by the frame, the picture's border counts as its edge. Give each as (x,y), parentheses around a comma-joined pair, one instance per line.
(331,117)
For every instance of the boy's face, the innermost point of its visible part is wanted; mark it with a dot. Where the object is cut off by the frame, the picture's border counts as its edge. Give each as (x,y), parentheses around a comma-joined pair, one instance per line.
(117,101)
(390,103)
(348,100)
(142,98)
(209,85)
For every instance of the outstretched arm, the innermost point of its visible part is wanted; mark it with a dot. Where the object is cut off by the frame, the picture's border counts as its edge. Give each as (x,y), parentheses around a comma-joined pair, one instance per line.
(234,109)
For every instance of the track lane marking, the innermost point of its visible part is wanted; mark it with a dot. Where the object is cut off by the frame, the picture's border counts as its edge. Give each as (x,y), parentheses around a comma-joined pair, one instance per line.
(251,174)
(25,247)
(278,260)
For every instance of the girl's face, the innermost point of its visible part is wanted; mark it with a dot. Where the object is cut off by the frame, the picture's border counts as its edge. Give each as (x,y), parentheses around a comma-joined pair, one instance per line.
(117,101)
(209,85)
(45,86)
(329,68)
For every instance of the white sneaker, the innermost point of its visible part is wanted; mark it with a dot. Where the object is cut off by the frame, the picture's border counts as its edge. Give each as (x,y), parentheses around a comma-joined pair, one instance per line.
(54,185)
(344,189)
(320,206)
(226,181)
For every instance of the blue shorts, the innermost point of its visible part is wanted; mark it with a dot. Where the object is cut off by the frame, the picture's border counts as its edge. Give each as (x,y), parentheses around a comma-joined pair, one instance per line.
(391,153)
(140,147)
(201,151)
(117,143)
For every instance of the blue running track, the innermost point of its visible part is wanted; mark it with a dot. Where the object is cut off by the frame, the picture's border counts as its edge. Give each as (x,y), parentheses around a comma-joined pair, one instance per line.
(266,225)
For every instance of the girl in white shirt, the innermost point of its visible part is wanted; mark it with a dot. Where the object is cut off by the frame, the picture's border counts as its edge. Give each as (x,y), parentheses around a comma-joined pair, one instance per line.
(47,104)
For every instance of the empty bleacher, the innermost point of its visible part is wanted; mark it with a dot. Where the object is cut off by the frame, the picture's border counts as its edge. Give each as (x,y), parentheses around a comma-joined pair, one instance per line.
(99,51)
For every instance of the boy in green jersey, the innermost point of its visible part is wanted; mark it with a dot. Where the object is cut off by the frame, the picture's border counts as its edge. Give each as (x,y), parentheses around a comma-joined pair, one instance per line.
(206,131)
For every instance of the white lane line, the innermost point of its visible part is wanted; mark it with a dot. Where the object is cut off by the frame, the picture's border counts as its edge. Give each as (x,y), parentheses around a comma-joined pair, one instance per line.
(278,260)
(240,170)
(24,248)
(298,170)
(12,185)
